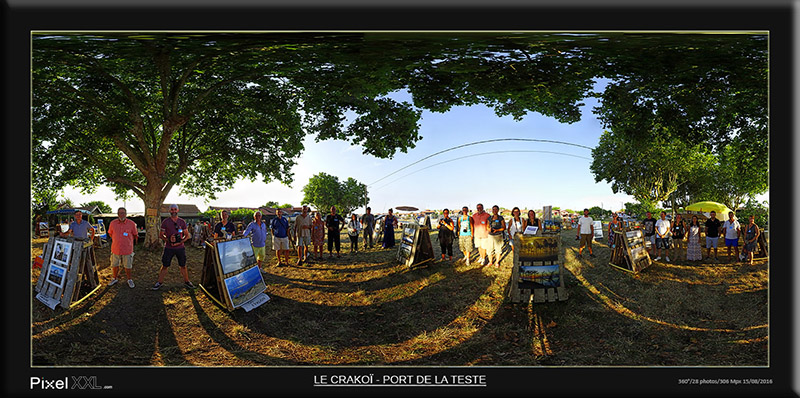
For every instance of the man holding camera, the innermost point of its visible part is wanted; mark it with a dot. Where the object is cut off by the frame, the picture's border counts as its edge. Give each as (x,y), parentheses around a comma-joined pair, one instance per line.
(174,232)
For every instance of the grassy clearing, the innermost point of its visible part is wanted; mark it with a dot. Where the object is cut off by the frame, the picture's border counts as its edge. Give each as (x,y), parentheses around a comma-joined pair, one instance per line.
(364,309)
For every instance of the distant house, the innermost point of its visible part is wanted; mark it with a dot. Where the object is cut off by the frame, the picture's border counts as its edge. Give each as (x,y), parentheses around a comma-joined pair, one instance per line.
(188,212)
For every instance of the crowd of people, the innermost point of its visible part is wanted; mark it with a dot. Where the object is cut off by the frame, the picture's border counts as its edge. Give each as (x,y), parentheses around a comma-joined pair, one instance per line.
(664,235)
(479,230)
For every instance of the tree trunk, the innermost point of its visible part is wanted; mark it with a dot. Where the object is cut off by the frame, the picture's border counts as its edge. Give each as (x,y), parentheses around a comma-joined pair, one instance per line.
(152,201)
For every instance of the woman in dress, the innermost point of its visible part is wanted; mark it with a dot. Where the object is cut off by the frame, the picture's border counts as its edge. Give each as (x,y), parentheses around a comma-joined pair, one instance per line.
(751,232)
(515,225)
(318,235)
(389,225)
(353,228)
(693,252)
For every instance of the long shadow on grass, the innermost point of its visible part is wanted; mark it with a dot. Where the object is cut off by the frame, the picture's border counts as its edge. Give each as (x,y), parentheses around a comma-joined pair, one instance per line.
(330,266)
(231,345)
(134,332)
(371,285)
(390,322)
(62,316)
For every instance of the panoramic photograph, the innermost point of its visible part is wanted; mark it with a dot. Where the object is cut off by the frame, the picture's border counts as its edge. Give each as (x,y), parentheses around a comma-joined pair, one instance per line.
(320,148)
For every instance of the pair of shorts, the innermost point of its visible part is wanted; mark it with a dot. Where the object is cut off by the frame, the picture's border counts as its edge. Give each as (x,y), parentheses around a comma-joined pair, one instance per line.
(465,244)
(712,242)
(586,240)
(125,259)
(260,252)
(495,244)
(750,247)
(483,243)
(166,258)
(280,243)
(304,241)
(663,243)
(732,242)
(652,239)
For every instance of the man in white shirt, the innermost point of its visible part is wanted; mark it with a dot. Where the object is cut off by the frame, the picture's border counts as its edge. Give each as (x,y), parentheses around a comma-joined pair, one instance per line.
(586,232)
(663,236)
(732,230)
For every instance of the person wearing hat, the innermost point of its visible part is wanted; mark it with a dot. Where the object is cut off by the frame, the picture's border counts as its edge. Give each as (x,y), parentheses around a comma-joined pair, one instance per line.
(174,232)
(585,232)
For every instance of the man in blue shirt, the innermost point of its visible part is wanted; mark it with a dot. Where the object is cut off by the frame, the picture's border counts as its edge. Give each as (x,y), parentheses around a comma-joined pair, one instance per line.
(79,228)
(280,237)
(259,240)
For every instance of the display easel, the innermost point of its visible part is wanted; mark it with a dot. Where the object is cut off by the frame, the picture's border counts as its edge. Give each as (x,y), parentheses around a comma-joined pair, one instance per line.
(213,279)
(629,252)
(415,246)
(80,277)
(531,255)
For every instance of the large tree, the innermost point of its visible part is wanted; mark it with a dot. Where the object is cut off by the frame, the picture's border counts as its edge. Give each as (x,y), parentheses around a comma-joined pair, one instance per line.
(649,171)
(142,113)
(324,190)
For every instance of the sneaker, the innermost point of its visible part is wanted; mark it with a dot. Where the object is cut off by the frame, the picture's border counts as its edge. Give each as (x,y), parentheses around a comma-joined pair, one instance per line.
(156,286)
(130,283)
(657,258)
(189,285)
(113,282)
(299,262)
(591,255)
(667,259)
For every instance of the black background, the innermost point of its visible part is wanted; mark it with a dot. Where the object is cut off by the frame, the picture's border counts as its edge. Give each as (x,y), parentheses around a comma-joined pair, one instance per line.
(19,21)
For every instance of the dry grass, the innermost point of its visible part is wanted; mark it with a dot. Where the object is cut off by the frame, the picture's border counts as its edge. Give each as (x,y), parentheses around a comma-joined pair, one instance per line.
(364,309)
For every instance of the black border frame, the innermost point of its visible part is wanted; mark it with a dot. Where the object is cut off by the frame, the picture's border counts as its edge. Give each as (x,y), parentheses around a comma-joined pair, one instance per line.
(19,19)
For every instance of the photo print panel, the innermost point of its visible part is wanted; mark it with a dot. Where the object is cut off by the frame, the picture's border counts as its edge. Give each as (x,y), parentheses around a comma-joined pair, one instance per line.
(62,252)
(544,275)
(56,275)
(235,255)
(244,286)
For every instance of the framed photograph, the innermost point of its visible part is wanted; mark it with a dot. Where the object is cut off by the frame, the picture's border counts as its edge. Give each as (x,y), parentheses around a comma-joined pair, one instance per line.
(56,275)
(244,286)
(235,255)
(62,252)
(598,229)
(544,275)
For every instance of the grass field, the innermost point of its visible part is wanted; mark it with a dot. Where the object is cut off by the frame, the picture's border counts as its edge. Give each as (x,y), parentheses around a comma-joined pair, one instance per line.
(365,309)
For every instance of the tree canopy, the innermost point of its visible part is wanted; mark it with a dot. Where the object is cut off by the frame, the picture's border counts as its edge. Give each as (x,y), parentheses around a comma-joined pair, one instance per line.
(142,113)
(324,190)
(104,208)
